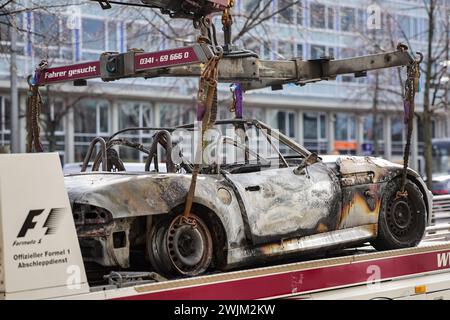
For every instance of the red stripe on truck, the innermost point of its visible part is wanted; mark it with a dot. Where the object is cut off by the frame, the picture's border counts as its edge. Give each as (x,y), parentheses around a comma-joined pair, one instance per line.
(303,281)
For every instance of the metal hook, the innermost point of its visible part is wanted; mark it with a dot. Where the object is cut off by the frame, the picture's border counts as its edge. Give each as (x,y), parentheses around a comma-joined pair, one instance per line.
(420,54)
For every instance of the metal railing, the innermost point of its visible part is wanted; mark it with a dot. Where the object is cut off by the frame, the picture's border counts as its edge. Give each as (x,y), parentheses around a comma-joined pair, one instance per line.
(439,228)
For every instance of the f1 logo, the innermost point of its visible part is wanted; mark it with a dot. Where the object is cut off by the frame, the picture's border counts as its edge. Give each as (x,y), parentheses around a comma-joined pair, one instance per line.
(51,222)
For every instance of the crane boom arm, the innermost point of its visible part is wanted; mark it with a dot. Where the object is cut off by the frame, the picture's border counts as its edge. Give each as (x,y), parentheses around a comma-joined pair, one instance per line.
(250,71)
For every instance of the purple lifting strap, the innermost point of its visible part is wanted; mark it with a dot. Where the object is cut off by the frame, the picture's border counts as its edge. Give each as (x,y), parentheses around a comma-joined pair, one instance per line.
(236,88)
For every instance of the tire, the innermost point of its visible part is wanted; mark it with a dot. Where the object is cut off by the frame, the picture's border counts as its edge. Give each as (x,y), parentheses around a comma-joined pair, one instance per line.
(402,221)
(177,248)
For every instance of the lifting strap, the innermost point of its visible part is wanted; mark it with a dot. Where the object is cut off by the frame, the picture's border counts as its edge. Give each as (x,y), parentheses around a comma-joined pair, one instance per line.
(237,104)
(411,88)
(34,108)
(206,116)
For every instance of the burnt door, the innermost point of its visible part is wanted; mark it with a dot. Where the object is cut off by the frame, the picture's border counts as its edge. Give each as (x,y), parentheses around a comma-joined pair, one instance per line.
(282,204)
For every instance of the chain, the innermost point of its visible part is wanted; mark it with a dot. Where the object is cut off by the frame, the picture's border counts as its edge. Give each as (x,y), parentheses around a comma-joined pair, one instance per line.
(411,87)
(227,22)
(206,114)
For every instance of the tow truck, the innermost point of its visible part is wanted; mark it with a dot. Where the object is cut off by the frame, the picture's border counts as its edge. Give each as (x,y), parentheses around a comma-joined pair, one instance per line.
(40,257)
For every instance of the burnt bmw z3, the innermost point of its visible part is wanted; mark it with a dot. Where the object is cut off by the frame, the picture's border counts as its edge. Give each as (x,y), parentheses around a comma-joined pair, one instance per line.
(260,197)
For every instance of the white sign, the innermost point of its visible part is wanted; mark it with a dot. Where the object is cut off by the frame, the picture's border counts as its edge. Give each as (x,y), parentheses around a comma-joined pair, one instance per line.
(40,250)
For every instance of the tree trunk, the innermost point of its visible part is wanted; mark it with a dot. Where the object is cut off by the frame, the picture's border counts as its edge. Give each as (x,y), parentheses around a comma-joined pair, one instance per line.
(428,151)
(376,148)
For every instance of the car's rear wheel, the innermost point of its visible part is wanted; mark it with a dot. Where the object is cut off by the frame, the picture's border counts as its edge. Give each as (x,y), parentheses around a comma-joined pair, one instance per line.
(180,246)
(402,220)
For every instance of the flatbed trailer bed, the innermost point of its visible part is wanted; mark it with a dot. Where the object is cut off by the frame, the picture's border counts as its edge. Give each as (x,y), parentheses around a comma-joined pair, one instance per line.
(405,273)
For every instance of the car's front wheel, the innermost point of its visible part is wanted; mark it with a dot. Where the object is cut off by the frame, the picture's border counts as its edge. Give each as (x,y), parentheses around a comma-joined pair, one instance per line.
(402,220)
(180,246)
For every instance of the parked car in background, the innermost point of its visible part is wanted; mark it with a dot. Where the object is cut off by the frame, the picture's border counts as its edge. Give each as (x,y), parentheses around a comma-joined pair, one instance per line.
(441,166)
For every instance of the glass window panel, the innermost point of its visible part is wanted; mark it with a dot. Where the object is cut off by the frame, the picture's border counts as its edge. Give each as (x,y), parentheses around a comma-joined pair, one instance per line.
(147,115)
(281,121)
(66,34)
(93,34)
(397,129)
(86,117)
(287,11)
(291,125)
(330,18)
(104,117)
(1,114)
(169,115)
(331,52)
(47,26)
(112,36)
(317,51)
(250,6)
(285,49)
(368,128)
(300,13)
(323,127)
(317,16)
(352,127)
(5,34)
(310,126)
(299,50)
(347,19)
(253,113)
(404,26)
(129,115)
(7,123)
(342,127)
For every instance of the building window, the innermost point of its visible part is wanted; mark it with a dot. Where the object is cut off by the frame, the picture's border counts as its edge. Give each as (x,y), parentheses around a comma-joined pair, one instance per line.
(286,9)
(290,13)
(397,135)
(345,133)
(52,38)
(172,115)
(93,34)
(370,132)
(52,124)
(284,121)
(330,18)
(285,50)
(299,51)
(251,6)
(347,19)
(299,8)
(344,54)
(141,36)
(253,113)
(318,18)
(135,114)
(317,51)
(91,119)
(113,43)
(93,38)
(315,132)
(5,121)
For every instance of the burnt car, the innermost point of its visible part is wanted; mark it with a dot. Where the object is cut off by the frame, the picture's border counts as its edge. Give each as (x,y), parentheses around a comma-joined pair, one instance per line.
(258,198)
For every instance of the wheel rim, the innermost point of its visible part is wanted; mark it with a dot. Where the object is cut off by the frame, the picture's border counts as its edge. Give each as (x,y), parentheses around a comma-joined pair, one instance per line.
(400,217)
(189,245)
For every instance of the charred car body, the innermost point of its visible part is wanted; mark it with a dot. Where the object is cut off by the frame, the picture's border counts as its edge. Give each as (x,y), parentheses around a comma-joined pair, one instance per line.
(246,211)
